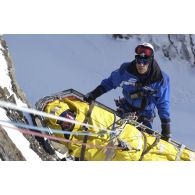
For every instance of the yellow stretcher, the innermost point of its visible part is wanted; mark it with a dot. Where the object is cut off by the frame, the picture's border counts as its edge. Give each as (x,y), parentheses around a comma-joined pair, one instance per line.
(128,144)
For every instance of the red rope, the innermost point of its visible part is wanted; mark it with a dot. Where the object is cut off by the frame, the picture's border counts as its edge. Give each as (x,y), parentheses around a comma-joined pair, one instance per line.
(28,132)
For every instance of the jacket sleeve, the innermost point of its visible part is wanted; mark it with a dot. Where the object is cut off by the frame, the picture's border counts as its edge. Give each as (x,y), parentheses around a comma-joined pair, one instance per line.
(114,80)
(163,101)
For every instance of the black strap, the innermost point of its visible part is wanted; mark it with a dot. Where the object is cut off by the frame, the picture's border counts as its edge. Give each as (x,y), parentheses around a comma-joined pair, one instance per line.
(138,109)
(144,103)
(139,84)
(87,117)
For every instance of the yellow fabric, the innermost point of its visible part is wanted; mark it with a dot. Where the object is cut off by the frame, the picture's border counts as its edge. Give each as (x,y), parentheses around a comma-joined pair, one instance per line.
(162,151)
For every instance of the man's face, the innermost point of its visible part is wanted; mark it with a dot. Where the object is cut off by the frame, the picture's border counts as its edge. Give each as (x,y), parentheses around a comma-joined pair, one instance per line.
(142,66)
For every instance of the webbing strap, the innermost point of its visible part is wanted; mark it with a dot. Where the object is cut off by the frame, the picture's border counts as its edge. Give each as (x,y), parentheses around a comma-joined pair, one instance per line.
(179,153)
(110,152)
(156,141)
(145,146)
(83,148)
(192,156)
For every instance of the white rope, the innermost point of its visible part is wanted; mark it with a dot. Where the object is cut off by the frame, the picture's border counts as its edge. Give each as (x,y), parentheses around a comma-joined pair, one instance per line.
(43,129)
(117,131)
(40,113)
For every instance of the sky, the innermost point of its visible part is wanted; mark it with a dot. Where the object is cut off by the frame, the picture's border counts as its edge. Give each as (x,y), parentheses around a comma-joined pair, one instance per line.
(47,64)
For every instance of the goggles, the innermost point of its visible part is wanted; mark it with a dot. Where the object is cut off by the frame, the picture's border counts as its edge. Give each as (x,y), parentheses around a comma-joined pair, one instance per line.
(145,51)
(66,125)
(143,61)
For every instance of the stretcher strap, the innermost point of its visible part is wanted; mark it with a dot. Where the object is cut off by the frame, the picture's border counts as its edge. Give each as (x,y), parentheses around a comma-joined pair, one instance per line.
(179,153)
(145,144)
(114,141)
(110,152)
(87,117)
(192,156)
(146,150)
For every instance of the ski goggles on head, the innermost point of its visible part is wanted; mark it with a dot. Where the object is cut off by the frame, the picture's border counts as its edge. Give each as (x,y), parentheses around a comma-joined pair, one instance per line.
(145,51)
(143,61)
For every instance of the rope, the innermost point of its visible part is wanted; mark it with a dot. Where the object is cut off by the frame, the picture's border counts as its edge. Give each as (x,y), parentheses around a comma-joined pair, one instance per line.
(29,132)
(43,129)
(40,113)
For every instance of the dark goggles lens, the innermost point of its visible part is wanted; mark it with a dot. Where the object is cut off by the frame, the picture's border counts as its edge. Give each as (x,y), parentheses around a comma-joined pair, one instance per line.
(143,61)
(66,125)
(144,50)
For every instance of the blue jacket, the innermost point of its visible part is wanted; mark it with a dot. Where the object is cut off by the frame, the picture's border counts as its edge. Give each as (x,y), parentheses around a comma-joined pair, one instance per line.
(142,92)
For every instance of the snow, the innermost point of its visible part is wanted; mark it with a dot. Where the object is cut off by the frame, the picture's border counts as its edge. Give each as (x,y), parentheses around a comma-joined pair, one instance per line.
(5,79)
(57,62)
(19,140)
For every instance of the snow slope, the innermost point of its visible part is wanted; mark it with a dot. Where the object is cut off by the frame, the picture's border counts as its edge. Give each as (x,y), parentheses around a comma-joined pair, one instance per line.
(46,64)
(19,140)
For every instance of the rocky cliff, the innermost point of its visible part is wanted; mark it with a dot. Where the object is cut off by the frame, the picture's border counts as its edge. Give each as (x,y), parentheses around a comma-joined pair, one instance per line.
(8,150)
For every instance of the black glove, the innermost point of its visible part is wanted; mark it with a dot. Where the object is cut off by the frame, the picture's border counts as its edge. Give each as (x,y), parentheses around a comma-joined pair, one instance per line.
(91,96)
(88,98)
(165,133)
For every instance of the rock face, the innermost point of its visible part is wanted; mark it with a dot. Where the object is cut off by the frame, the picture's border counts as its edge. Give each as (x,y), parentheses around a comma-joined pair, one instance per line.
(182,46)
(8,150)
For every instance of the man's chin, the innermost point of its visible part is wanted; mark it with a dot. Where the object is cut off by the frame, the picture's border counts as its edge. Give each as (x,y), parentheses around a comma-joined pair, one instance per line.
(141,71)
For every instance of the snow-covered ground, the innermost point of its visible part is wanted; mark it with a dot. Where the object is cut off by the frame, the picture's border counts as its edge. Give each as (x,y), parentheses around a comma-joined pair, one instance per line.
(18,139)
(46,64)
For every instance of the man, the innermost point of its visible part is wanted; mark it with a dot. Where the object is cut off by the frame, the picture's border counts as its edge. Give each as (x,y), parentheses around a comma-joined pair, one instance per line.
(145,87)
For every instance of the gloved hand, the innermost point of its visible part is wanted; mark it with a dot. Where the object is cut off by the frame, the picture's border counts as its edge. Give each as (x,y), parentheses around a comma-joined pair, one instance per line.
(89,98)
(166,137)
(120,112)
(165,133)
(98,91)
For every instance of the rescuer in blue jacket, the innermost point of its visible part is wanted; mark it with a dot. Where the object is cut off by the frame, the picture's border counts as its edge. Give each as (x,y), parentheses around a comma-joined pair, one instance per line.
(145,87)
